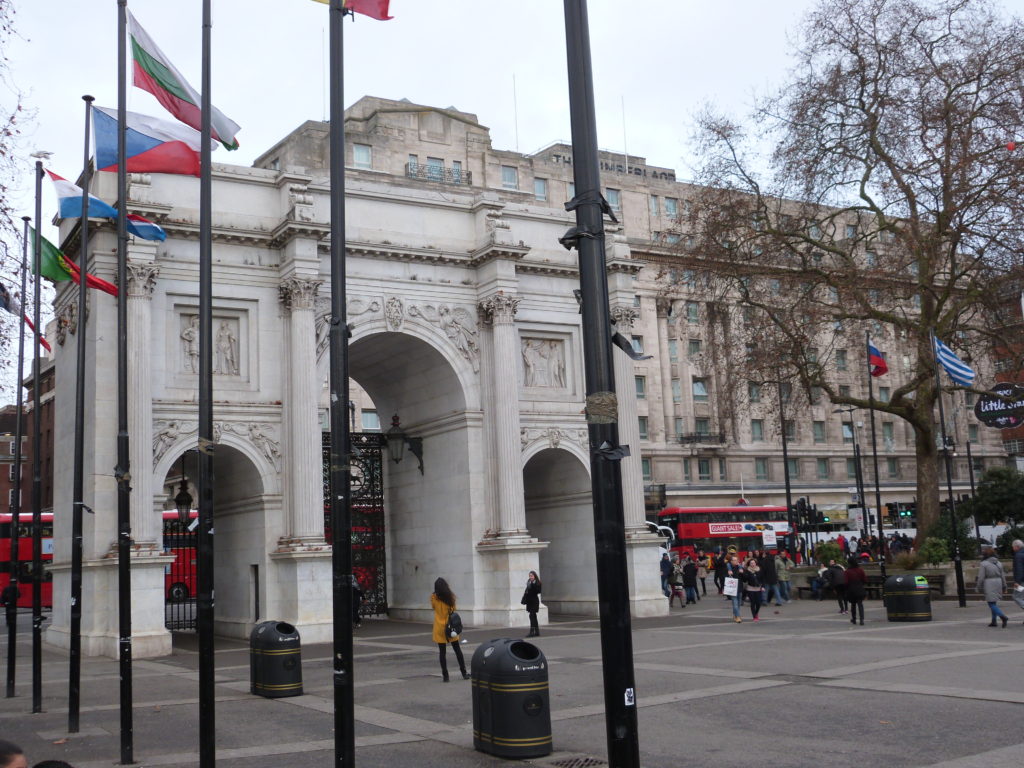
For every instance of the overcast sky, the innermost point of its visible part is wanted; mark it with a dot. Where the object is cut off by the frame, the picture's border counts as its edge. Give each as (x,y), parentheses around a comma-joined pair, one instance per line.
(656,64)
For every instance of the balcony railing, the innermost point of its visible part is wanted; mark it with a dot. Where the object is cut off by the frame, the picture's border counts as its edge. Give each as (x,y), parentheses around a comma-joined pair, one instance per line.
(438,173)
(701,437)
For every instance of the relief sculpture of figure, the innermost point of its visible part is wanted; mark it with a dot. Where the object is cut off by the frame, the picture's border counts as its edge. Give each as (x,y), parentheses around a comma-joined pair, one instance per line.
(227,351)
(258,438)
(190,343)
(164,439)
(543,363)
(458,326)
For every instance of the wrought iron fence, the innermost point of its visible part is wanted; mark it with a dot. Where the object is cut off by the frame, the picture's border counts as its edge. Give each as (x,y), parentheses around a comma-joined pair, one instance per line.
(438,173)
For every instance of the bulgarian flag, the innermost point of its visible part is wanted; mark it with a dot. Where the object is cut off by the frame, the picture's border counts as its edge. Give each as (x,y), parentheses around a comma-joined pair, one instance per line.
(155,73)
(375,9)
(56,267)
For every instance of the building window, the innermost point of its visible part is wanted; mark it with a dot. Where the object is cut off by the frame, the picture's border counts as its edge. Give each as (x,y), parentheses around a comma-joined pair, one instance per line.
(643,427)
(823,469)
(414,162)
(694,347)
(893,467)
(700,390)
(757,430)
(636,300)
(721,470)
(702,425)
(678,424)
(969,399)
(692,312)
(686,470)
(614,199)
(848,432)
(870,259)
(457,171)
(785,391)
(540,189)
(10,473)
(844,390)
(572,189)
(761,469)
(841,362)
(370,421)
(794,467)
(819,431)
(641,387)
(972,433)
(671,207)
(673,350)
(509,177)
(851,231)
(703,469)
(790,427)
(883,394)
(435,169)
(815,395)
(362,156)
(677,391)
(655,208)
(754,391)
(638,344)
(851,469)
(645,468)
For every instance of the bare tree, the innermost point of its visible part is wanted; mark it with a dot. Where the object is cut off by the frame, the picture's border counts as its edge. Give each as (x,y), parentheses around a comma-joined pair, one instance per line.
(891,201)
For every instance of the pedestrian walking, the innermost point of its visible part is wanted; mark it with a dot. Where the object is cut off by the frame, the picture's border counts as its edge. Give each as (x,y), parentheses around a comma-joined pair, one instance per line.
(666,573)
(992,582)
(836,578)
(357,600)
(754,587)
(782,566)
(856,589)
(721,563)
(531,599)
(675,583)
(702,574)
(769,578)
(1018,573)
(732,585)
(443,602)
(690,581)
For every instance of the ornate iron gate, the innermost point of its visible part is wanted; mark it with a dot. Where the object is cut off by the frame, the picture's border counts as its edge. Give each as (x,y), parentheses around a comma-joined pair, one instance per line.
(179,576)
(369,559)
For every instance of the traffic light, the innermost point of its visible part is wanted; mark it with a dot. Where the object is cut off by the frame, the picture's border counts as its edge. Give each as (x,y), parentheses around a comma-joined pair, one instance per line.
(801,511)
(826,519)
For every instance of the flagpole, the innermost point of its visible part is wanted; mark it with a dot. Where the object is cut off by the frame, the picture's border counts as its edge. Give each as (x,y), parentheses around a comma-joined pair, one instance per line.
(605,472)
(12,614)
(122,471)
(37,475)
(874,455)
(958,566)
(205,542)
(77,500)
(785,469)
(340,473)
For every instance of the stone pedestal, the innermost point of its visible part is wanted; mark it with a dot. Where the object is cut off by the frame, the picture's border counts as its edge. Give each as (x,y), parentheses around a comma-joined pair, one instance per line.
(642,558)
(303,594)
(506,562)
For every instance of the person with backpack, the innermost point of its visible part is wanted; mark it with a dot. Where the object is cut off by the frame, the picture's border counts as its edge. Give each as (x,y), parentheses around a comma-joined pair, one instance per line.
(856,589)
(443,602)
(836,577)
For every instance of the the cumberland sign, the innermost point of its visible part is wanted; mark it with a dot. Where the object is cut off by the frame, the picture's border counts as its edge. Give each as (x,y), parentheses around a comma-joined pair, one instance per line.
(1003,407)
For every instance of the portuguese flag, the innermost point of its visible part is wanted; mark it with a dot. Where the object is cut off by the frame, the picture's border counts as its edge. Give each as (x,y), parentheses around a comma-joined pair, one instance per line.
(155,73)
(56,267)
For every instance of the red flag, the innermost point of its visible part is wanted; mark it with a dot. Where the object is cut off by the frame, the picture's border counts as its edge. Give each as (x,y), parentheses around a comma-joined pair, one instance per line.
(42,339)
(375,9)
(91,281)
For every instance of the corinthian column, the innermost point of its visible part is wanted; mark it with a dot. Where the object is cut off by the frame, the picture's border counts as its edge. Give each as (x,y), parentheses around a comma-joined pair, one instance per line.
(146,521)
(629,425)
(305,498)
(500,311)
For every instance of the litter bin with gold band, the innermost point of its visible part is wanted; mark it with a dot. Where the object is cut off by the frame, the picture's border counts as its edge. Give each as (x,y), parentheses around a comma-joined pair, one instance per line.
(511,707)
(275,661)
(907,598)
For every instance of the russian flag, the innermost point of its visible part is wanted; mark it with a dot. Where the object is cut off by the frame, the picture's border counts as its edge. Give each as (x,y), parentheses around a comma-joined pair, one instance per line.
(151,145)
(876,361)
(69,201)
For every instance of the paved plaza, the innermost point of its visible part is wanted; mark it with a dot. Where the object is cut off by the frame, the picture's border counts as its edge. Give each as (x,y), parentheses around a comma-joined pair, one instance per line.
(799,688)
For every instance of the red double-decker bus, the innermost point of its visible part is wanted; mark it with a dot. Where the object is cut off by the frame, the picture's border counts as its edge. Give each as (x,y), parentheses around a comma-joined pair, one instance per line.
(23,557)
(738,529)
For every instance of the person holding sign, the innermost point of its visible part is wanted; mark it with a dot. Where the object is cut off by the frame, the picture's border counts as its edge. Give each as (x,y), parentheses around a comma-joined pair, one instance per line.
(734,575)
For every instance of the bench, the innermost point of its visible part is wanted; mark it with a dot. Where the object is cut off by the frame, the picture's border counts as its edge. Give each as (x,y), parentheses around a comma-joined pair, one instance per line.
(875,585)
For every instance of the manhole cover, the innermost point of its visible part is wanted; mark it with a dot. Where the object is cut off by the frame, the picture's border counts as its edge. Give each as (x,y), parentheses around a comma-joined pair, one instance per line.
(579,762)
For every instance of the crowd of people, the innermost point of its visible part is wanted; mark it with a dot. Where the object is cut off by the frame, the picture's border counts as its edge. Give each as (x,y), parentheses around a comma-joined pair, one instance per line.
(867,548)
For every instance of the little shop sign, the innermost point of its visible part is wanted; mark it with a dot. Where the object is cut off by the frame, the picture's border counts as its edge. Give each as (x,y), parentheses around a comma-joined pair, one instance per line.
(1002,407)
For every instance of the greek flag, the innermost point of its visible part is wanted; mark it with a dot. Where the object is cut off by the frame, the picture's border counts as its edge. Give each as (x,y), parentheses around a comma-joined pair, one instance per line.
(958,370)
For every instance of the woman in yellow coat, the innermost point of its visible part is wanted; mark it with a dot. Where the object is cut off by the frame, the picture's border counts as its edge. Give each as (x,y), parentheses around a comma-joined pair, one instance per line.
(443,603)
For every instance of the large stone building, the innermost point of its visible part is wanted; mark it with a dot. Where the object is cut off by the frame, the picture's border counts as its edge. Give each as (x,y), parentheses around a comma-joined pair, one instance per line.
(464,323)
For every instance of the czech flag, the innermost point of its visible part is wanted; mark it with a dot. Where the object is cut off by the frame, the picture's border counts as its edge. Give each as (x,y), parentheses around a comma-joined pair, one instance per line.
(69,201)
(876,361)
(151,145)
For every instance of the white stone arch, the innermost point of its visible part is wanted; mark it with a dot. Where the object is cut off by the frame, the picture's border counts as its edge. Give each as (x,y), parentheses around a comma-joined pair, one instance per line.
(268,474)
(533,447)
(423,331)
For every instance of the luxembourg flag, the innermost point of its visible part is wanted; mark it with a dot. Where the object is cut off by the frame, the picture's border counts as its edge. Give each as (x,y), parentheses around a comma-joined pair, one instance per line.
(69,201)
(876,361)
(151,145)
(145,228)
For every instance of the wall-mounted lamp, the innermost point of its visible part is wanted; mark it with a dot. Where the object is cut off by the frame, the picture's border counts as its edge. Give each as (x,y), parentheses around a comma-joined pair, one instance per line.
(397,440)
(183,499)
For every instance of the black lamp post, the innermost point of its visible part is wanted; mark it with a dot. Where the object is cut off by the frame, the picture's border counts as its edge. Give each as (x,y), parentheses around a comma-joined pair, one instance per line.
(183,499)
(397,440)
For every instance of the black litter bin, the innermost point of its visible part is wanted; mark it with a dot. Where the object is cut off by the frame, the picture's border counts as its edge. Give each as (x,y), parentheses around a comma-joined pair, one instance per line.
(908,598)
(511,709)
(275,663)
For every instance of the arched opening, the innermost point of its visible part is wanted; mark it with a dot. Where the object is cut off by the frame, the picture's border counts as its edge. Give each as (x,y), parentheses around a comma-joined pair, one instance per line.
(240,541)
(428,517)
(559,510)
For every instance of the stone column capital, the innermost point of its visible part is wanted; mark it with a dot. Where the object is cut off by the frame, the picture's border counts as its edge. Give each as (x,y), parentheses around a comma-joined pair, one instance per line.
(298,292)
(142,279)
(664,306)
(499,309)
(624,316)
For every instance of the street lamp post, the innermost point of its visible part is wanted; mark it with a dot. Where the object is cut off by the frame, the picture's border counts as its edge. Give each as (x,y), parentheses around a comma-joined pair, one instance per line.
(785,472)
(858,474)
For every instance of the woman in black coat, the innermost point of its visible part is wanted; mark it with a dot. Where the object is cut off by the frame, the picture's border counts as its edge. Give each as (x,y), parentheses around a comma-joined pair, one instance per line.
(531,599)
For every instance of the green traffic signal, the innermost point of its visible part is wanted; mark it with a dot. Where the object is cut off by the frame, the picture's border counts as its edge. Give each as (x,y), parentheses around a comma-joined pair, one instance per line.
(825,519)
